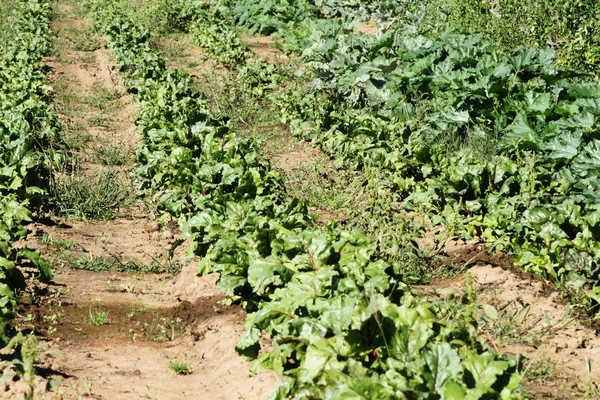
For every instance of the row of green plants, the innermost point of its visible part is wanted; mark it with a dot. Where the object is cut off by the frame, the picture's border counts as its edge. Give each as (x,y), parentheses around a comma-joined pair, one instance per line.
(343,323)
(373,204)
(28,127)
(501,147)
(364,10)
(295,24)
(272,16)
(569,26)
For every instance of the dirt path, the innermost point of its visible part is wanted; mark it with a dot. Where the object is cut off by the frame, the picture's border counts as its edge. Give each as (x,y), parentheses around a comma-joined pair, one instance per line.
(121,319)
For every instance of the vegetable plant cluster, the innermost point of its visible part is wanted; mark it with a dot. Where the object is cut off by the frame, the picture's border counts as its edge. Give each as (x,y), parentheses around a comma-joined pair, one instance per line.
(571,26)
(492,145)
(28,128)
(343,323)
(508,141)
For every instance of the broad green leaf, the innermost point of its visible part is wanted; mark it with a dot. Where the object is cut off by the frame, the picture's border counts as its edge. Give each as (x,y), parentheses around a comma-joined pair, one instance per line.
(444,364)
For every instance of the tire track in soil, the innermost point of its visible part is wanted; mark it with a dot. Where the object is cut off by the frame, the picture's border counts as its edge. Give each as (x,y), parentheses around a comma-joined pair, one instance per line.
(152,318)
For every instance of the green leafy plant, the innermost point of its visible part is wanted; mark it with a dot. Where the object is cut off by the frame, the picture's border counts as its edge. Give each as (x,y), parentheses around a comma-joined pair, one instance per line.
(571,27)
(28,131)
(28,353)
(116,155)
(95,263)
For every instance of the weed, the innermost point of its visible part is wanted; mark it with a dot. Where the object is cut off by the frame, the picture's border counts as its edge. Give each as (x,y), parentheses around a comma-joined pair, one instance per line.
(28,354)
(87,58)
(170,328)
(161,330)
(512,324)
(155,267)
(95,263)
(65,92)
(180,367)
(98,317)
(88,387)
(100,196)
(86,41)
(114,263)
(540,371)
(132,335)
(592,390)
(53,320)
(103,98)
(112,155)
(231,95)
(313,183)
(171,50)
(59,243)
(98,120)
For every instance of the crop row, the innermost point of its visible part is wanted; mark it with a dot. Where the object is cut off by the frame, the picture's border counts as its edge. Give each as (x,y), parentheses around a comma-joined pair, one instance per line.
(569,26)
(343,324)
(501,147)
(508,143)
(27,128)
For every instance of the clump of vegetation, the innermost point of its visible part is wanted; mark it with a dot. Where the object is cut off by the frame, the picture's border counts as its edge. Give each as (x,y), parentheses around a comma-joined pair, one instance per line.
(569,26)
(180,367)
(99,196)
(112,155)
(97,317)
(86,41)
(103,263)
(59,243)
(28,129)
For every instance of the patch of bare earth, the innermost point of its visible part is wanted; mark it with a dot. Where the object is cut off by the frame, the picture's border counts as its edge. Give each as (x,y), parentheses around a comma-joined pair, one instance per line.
(150,323)
(263,47)
(114,333)
(182,53)
(298,154)
(369,28)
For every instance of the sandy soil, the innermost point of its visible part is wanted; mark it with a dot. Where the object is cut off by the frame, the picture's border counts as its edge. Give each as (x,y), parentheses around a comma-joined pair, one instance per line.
(263,47)
(148,327)
(370,28)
